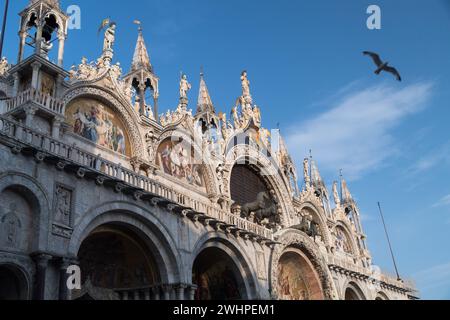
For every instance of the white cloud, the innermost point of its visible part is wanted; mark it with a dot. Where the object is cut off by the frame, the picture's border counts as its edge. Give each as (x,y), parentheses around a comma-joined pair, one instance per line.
(434,282)
(356,133)
(445,201)
(434,158)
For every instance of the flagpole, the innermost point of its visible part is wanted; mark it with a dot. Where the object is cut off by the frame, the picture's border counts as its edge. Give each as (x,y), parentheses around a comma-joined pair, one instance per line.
(389,242)
(2,39)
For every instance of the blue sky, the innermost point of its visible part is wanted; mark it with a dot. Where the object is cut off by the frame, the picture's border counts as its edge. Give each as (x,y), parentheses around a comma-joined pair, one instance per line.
(308,74)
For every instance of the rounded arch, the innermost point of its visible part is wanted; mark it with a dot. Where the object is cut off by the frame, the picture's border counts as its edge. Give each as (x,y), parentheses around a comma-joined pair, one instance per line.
(344,227)
(297,277)
(352,291)
(296,240)
(35,193)
(177,133)
(382,296)
(125,113)
(245,154)
(320,218)
(244,269)
(144,225)
(117,256)
(15,282)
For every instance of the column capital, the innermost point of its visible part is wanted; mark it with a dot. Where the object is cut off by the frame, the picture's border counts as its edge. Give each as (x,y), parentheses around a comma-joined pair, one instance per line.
(58,120)
(31,110)
(42,259)
(36,65)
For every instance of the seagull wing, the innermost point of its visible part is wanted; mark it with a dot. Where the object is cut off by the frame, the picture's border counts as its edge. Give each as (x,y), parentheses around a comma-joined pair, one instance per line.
(394,72)
(375,57)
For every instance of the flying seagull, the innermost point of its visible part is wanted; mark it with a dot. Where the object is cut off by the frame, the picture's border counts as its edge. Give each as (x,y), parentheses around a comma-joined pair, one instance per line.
(382,66)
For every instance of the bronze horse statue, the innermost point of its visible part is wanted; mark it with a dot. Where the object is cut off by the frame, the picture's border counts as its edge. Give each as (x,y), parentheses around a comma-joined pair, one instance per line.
(259,204)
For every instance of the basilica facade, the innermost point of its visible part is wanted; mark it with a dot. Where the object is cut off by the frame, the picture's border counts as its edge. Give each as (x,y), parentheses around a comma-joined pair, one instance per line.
(187,205)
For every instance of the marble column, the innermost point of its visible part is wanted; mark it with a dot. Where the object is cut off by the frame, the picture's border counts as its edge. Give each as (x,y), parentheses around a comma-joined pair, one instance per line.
(192,290)
(167,290)
(65,263)
(156,293)
(42,261)
(62,39)
(16,84)
(29,115)
(180,291)
(56,127)
(35,78)
(23,39)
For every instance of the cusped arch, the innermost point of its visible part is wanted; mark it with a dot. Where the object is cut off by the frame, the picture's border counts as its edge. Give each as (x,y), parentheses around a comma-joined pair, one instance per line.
(57,17)
(237,255)
(125,113)
(33,191)
(289,238)
(143,224)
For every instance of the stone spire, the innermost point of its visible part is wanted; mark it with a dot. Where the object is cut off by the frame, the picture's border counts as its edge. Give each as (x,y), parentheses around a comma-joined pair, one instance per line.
(143,79)
(346,195)
(316,178)
(141,59)
(204,99)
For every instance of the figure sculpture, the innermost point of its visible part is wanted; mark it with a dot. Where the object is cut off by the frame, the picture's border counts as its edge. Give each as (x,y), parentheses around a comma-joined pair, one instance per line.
(185,86)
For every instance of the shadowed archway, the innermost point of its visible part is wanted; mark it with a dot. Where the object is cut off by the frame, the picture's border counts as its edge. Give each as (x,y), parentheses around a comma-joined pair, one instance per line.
(13,284)
(217,276)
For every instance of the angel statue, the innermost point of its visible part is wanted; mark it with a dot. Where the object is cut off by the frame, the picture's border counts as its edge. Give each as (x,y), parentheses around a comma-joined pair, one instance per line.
(245,84)
(185,86)
(337,198)
(246,88)
(110,34)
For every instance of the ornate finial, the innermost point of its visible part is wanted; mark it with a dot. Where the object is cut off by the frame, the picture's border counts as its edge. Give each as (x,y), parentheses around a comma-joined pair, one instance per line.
(204,103)
(139,23)
(141,58)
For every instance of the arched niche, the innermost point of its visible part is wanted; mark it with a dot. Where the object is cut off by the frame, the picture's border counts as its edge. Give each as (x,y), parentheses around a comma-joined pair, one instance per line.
(178,158)
(308,255)
(219,264)
(115,257)
(95,121)
(353,292)
(313,221)
(343,241)
(297,277)
(13,283)
(254,194)
(217,276)
(381,296)
(19,212)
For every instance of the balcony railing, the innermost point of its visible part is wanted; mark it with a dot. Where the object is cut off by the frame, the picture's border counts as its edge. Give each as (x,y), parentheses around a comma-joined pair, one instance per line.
(383,276)
(57,148)
(32,95)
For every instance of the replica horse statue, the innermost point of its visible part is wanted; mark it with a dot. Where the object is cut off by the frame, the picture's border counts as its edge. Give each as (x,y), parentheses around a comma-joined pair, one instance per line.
(255,206)
(267,213)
